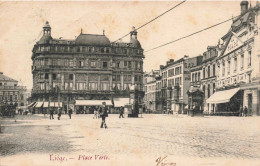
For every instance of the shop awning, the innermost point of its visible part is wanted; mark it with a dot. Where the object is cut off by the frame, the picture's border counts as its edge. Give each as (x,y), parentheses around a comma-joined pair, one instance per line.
(120,102)
(22,107)
(38,105)
(222,96)
(52,104)
(93,102)
(31,105)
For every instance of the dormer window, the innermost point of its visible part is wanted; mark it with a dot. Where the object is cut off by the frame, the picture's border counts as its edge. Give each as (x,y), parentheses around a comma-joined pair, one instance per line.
(107,50)
(102,50)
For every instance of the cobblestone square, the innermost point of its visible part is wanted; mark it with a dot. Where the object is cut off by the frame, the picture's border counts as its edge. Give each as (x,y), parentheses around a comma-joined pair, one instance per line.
(139,141)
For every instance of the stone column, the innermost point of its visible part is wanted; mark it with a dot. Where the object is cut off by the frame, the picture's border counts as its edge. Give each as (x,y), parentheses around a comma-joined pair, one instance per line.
(62,81)
(255,104)
(122,81)
(74,82)
(111,82)
(133,79)
(99,85)
(50,80)
(87,86)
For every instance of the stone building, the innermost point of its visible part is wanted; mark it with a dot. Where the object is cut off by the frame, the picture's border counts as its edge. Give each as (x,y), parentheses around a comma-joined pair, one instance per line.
(203,76)
(150,90)
(11,92)
(87,68)
(175,82)
(208,77)
(159,100)
(238,65)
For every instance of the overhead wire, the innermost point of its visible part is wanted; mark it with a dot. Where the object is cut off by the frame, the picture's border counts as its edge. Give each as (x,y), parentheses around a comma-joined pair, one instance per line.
(154,19)
(190,35)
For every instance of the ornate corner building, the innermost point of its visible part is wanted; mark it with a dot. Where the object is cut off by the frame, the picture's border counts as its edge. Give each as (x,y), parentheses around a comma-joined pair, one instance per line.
(87,68)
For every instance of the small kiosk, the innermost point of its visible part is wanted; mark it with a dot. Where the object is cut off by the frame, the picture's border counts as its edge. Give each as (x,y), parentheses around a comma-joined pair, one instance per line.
(195,102)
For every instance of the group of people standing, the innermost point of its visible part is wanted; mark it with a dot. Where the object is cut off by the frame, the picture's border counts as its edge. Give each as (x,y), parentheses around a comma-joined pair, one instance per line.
(59,113)
(98,112)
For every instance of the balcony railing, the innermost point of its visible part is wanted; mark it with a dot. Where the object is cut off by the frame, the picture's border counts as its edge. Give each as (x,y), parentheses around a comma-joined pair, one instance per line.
(12,87)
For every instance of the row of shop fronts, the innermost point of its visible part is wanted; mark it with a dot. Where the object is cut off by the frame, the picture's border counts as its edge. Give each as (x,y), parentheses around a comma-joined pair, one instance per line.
(228,102)
(80,106)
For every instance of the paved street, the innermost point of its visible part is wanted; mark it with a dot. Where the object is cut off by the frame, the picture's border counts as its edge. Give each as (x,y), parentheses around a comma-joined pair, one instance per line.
(139,141)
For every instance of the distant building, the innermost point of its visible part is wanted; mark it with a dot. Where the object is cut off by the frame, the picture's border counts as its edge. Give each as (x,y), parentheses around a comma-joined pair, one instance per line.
(11,93)
(89,67)
(150,90)
(175,81)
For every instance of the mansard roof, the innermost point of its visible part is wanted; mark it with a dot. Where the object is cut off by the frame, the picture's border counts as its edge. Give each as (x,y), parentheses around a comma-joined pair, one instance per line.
(93,40)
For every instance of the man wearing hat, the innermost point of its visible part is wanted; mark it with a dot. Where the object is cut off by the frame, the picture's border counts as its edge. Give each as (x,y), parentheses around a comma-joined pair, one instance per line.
(104,115)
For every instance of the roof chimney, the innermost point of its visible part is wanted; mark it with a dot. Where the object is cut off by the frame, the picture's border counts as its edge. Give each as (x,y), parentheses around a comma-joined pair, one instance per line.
(244,6)
(1,73)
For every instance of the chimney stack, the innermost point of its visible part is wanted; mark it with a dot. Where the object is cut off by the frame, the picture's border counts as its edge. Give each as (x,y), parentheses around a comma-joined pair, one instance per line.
(244,6)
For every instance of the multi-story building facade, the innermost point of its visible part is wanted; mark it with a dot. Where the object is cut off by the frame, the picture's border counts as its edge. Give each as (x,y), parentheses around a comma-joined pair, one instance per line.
(159,100)
(87,68)
(11,93)
(175,82)
(150,90)
(203,76)
(238,64)
(208,80)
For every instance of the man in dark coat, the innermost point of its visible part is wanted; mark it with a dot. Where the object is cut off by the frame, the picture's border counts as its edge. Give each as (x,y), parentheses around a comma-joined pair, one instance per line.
(104,115)
(121,112)
(51,114)
(245,111)
(59,114)
(70,112)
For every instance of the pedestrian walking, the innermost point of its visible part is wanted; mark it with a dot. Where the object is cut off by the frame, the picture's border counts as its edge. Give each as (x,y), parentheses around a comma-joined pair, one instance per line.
(245,111)
(51,114)
(99,112)
(70,112)
(104,115)
(59,114)
(121,112)
(95,113)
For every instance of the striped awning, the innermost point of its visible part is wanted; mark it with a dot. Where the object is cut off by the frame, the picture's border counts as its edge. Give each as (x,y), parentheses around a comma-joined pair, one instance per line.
(52,104)
(222,96)
(31,105)
(39,104)
(92,102)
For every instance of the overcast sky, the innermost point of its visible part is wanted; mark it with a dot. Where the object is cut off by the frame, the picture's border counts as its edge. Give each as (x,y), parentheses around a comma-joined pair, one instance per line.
(21,25)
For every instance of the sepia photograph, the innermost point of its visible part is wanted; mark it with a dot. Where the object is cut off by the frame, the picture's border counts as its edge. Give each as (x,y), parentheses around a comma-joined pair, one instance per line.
(130,83)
